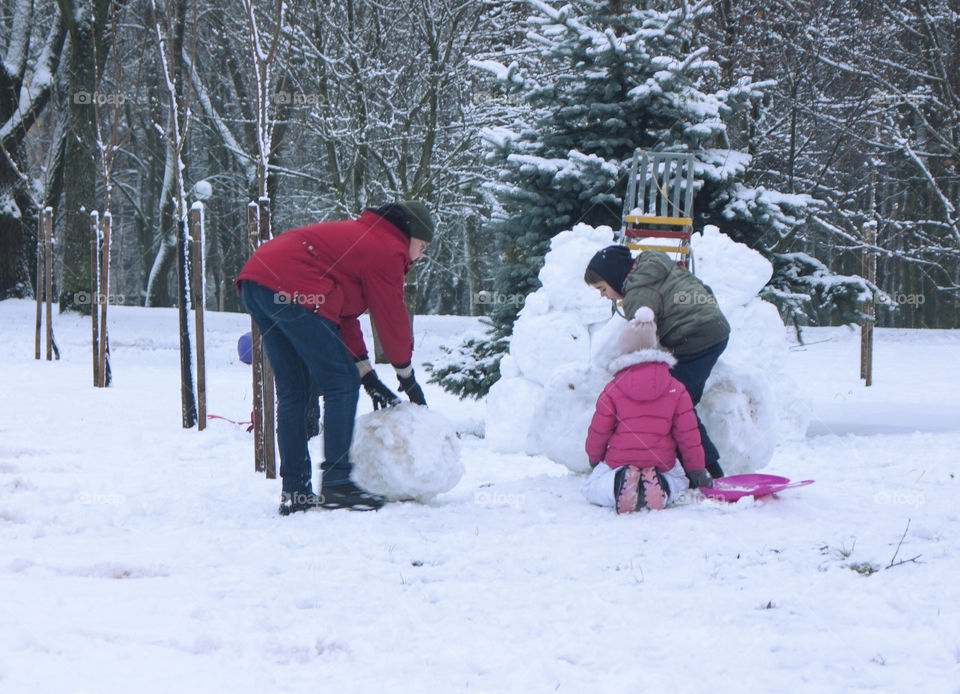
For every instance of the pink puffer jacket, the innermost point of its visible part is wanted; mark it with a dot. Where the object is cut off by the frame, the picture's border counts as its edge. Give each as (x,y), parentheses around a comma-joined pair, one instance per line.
(643,416)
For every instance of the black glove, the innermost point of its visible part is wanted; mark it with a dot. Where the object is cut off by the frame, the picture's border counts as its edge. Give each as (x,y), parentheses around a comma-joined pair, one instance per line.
(413,390)
(700,478)
(382,396)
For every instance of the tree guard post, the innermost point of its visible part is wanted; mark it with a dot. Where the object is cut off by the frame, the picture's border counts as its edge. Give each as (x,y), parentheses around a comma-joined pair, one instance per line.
(40,284)
(48,275)
(199,296)
(95,294)
(267,391)
(869,273)
(104,300)
(256,352)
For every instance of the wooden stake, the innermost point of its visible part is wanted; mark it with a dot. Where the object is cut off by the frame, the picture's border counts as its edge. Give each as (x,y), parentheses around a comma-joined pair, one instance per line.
(188,400)
(48,275)
(196,228)
(95,293)
(869,273)
(41,271)
(267,397)
(104,298)
(256,360)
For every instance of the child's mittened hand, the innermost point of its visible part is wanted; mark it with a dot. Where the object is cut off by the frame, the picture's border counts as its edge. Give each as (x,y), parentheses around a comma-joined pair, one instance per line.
(699,478)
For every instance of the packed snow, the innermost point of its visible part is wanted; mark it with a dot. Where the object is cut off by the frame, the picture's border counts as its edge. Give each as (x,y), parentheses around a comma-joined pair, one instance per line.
(406,453)
(142,557)
(566,336)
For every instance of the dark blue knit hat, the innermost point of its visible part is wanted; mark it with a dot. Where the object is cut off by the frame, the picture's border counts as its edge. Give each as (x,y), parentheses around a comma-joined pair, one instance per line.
(612,264)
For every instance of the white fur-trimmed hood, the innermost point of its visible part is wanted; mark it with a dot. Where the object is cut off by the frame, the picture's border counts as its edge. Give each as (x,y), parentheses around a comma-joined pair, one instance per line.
(641,356)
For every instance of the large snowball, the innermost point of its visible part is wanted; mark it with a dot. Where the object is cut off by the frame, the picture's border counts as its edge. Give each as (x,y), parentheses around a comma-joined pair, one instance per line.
(605,341)
(735,272)
(407,452)
(757,340)
(541,343)
(508,367)
(510,407)
(564,413)
(738,410)
(757,335)
(562,273)
(535,304)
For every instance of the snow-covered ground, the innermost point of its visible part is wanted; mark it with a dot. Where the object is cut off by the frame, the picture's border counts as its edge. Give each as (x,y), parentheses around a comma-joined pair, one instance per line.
(141,557)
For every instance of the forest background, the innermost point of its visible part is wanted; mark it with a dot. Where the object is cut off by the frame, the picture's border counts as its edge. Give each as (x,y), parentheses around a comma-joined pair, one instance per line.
(838,121)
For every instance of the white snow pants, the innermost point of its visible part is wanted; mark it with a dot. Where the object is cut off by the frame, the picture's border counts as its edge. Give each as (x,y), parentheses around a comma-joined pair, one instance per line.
(598,489)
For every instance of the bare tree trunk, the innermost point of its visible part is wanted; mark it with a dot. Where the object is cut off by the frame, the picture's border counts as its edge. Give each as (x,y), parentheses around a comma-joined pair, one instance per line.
(168,30)
(19,222)
(87,30)
(157,293)
(472,261)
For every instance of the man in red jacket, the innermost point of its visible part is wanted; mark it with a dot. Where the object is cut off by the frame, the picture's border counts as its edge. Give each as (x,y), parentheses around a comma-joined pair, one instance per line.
(306,289)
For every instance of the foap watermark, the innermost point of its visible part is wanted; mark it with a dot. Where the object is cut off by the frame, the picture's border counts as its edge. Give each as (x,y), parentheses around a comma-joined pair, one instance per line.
(488,298)
(485,497)
(896,497)
(304,499)
(99,98)
(284,98)
(90,298)
(299,298)
(100,499)
(689,497)
(694,299)
(900,299)
(889,99)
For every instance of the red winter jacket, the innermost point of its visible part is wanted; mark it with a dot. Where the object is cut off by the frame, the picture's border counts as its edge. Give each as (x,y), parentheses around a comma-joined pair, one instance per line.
(643,416)
(338,270)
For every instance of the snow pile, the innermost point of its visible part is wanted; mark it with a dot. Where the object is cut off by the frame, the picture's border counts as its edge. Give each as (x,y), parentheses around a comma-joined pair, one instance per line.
(749,404)
(136,551)
(565,337)
(406,452)
(547,385)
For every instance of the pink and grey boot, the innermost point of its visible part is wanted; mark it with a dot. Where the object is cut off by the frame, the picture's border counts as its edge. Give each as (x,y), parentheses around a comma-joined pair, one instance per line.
(626,489)
(653,489)
(636,488)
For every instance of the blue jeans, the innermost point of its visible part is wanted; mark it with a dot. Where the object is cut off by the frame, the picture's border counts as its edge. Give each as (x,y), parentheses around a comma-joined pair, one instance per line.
(302,346)
(692,370)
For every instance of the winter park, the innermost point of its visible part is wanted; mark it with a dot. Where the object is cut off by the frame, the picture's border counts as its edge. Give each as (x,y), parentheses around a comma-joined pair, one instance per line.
(500,347)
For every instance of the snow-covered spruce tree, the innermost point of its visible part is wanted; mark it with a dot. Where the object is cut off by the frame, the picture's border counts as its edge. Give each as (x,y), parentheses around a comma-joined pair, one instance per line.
(594,85)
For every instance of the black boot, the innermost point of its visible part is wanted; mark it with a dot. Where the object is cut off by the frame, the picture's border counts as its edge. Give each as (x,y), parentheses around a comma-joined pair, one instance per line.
(350,496)
(291,502)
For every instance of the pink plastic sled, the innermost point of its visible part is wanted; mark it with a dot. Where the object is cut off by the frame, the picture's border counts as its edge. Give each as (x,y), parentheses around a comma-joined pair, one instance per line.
(737,486)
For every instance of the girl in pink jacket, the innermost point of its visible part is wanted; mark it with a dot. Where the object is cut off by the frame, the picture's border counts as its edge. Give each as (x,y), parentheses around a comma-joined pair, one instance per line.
(643,417)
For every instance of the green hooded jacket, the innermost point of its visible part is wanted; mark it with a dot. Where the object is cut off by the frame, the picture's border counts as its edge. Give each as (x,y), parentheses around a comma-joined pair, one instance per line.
(689,320)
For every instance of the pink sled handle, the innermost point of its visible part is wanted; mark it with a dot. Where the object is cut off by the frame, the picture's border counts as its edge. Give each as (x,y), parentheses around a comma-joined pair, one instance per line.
(802,483)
